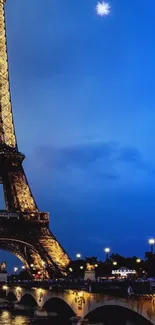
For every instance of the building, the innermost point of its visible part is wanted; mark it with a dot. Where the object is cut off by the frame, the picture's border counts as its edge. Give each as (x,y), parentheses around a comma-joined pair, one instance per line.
(123,272)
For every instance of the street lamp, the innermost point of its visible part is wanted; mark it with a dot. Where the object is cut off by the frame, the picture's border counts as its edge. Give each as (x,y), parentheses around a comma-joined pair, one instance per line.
(23,267)
(81,267)
(138,260)
(114,263)
(107,251)
(78,256)
(152,242)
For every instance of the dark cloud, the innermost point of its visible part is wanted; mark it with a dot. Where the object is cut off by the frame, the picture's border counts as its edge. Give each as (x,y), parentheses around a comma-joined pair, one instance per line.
(79,156)
(130,155)
(103,160)
(134,157)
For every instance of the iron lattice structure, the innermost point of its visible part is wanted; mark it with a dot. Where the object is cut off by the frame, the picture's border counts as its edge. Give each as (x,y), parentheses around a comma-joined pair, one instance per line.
(24,230)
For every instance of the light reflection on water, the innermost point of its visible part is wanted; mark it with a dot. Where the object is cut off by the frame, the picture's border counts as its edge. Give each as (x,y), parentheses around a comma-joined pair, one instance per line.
(7,318)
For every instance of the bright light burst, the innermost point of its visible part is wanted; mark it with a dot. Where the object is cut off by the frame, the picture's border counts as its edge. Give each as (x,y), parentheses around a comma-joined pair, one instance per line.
(103,8)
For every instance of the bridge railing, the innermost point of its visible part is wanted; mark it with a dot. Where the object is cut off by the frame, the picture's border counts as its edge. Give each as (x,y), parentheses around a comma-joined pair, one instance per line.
(119,289)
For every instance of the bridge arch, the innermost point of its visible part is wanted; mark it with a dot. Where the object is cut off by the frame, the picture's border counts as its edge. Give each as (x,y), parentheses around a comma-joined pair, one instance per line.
(59,306)
(28,300)
(113,309)
(11,296)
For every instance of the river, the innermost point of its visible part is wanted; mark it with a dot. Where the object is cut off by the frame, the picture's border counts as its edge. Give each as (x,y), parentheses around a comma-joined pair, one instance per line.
(8,318)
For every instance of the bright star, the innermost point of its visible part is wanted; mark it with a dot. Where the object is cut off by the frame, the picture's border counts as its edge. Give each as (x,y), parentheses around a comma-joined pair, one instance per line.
(103,8)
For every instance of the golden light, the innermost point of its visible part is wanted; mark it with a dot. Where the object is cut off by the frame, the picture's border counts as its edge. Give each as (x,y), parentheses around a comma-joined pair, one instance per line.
(4,287)
(114,263)
(138,260)
(39,290)
(107,250)
(78,255)
(81,294)
(32,265)
(18,289)
(151,241)
(81,267)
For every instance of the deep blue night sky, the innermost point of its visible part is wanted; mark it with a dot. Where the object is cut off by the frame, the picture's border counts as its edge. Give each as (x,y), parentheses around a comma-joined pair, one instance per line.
(84,107)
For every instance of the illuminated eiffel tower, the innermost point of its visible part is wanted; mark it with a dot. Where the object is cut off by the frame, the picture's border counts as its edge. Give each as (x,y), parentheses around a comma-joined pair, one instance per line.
(24,230)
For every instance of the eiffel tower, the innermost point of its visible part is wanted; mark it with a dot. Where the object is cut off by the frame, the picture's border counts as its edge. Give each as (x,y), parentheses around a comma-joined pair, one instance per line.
(24,230)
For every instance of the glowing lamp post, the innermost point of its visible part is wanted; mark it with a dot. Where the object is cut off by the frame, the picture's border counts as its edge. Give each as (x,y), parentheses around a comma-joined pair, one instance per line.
(78,256)
(138,260)
(114,263)
(152,242)
(107,251)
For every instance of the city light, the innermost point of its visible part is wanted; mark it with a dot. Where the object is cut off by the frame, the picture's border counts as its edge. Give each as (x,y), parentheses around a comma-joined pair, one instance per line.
(107,250)
(138,260)
(70,269)
(15,269)
(114,263)
(5,287)
(151,241)
(96,265)
(81,267)
(78,255)
(23,267)
(32,265)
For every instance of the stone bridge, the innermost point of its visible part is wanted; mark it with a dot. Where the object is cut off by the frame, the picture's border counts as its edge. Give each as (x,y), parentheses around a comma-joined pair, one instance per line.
(82,303)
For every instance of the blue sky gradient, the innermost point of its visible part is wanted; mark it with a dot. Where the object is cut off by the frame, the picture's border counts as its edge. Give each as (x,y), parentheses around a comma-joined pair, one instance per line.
(83,100)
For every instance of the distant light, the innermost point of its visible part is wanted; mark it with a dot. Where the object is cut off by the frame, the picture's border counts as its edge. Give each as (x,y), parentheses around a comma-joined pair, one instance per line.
(15,269)
(81,267)
(107,250)
(32,265)
(103,8)
(114,263)
(78,255)
(96,265)
(151,241)
(138,260)
(5,288)
(23,267)
(70,269)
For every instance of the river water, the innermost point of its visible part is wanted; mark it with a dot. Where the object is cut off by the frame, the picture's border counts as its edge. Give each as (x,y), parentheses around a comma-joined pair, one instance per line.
(8,318)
